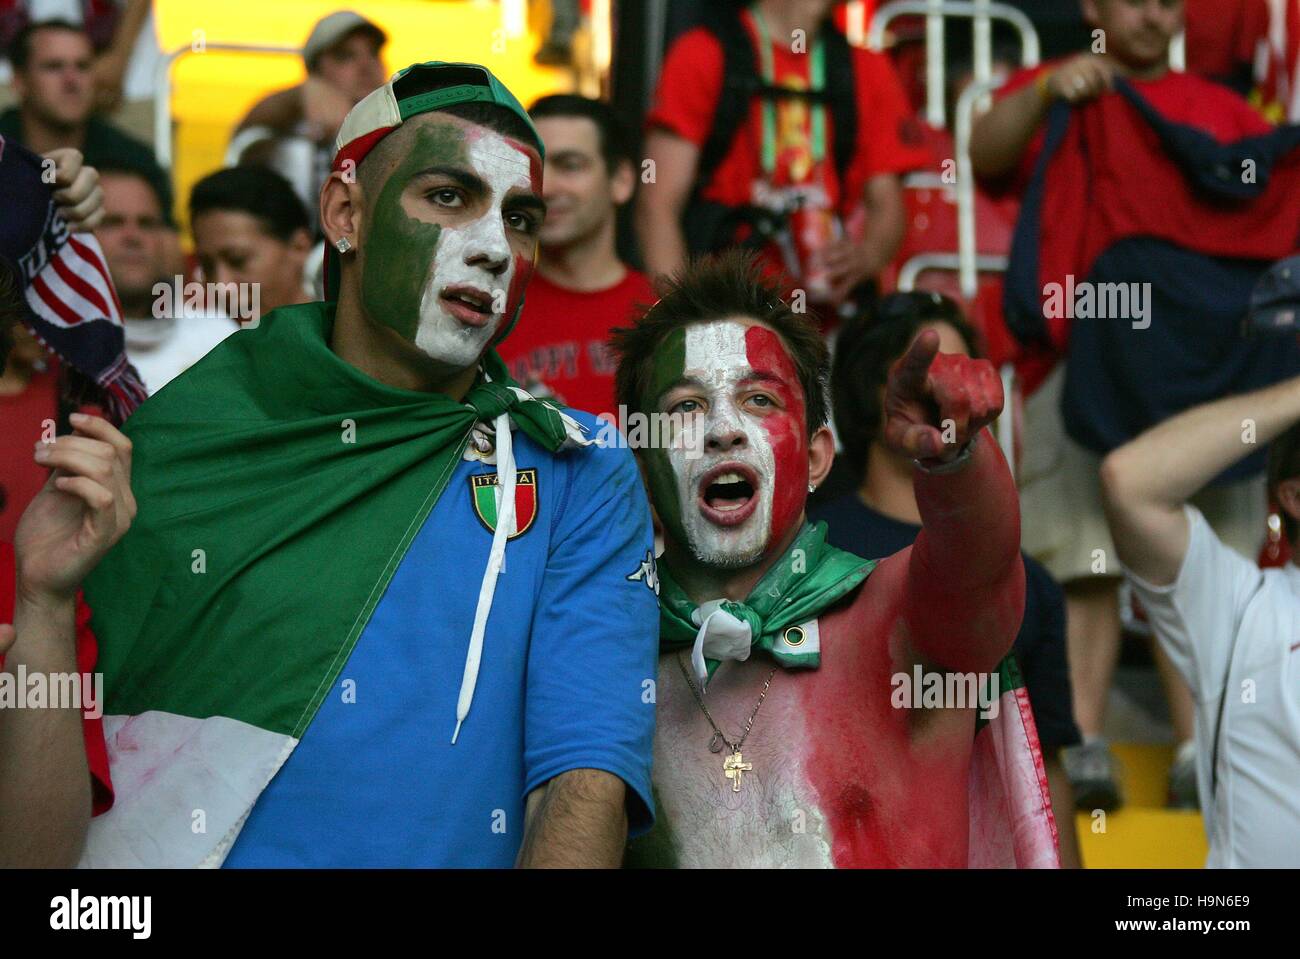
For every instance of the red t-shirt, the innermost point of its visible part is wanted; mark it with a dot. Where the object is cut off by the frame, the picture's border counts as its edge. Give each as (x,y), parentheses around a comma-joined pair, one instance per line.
(561,338)
(889,141)
(87,654)
(1224,35)
(21,419)
(691,82)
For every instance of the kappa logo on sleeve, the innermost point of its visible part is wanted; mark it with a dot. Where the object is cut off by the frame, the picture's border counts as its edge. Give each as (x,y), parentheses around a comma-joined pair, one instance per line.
(647,573)
(483,493)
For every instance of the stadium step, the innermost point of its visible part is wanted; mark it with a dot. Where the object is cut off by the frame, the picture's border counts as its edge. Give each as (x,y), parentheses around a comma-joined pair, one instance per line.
(1143,834)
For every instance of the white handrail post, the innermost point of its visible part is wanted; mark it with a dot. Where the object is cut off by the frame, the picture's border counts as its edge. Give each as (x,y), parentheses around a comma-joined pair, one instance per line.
(934,65)
(967,244)
(982,38)
(162,81)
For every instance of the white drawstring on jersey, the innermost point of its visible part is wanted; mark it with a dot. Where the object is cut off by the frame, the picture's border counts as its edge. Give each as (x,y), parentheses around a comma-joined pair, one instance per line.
(507,476)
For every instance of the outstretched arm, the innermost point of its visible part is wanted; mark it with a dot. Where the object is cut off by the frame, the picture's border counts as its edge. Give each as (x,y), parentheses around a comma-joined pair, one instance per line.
(1146,482)
(965,586)
(999,137)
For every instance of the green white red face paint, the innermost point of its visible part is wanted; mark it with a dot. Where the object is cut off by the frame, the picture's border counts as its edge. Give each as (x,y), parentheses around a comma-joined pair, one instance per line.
(450,287)
(739,394)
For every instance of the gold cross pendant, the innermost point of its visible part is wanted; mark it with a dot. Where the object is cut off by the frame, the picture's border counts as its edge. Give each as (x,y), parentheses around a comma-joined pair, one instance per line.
(733,768)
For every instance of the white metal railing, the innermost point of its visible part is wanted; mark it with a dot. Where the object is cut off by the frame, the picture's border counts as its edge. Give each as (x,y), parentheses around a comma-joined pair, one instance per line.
(967,242)
(910,272)
(983,13)
(162,116)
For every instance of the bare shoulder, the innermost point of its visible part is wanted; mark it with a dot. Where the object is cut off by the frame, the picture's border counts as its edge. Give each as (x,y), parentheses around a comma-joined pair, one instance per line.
(865,617)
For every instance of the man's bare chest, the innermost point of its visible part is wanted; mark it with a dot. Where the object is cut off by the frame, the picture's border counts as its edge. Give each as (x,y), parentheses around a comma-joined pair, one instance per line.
(830,773)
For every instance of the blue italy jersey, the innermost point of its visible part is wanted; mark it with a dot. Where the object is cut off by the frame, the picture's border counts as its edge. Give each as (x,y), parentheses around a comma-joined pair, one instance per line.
(566,681)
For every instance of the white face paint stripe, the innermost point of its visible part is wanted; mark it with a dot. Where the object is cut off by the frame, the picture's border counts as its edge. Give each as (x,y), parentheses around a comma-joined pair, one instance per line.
(503,167)
(717,347)
(716,355)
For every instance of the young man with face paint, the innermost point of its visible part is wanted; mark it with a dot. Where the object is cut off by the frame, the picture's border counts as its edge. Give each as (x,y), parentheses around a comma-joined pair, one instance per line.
(780,740)
(403,628)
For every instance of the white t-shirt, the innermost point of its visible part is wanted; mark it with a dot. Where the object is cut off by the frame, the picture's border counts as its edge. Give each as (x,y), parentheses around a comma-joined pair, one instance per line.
(1233,631)
(162,349)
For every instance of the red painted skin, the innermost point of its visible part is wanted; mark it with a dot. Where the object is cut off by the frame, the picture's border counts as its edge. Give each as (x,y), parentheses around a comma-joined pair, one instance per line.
(953,600)
(786,431)
(524,267)
(893,782)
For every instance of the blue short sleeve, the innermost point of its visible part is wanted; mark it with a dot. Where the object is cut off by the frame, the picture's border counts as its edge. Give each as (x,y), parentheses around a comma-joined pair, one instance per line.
(593,656)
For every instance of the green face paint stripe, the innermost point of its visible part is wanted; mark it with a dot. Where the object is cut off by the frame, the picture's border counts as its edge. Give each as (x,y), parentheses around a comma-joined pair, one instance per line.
(669,363)
(400,249)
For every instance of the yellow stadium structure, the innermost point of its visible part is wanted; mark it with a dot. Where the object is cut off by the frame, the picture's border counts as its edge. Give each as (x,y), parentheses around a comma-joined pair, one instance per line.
(213,89)
(1142,835)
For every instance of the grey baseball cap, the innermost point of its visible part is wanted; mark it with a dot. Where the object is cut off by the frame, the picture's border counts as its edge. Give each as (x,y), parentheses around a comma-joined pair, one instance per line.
(330,29)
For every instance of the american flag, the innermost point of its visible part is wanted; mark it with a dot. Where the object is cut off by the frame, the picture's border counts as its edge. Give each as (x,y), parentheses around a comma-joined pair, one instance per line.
(74,310)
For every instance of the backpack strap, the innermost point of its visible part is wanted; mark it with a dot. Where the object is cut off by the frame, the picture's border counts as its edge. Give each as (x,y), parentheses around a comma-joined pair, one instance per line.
(841,97)
(741,83)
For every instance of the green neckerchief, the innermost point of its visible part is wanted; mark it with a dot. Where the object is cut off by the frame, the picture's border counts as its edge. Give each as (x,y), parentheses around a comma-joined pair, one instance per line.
(810,577)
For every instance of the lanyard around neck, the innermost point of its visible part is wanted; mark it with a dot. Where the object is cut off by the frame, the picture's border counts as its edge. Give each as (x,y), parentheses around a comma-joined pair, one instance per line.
(817,82)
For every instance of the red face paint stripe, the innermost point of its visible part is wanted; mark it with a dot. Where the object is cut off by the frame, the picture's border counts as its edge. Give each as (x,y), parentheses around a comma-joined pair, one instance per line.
(787,430)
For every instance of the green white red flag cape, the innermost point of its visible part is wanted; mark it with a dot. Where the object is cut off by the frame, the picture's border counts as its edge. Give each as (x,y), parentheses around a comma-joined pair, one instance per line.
(279,489)
(1011,821)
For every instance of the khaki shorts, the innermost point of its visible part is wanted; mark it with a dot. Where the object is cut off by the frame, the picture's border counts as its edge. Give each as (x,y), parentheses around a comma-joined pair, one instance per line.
(1062,523)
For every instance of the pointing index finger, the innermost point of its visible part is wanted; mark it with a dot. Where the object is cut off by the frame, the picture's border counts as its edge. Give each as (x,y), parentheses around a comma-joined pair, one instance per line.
(912,370)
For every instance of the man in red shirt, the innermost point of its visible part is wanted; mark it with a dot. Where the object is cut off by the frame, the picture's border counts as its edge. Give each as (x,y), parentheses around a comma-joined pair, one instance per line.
(46,796)
(581,289)
(783,163)
(72,516)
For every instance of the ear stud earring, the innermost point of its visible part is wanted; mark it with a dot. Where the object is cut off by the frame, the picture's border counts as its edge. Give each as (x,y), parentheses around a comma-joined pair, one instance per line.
(343,244)
(812,487)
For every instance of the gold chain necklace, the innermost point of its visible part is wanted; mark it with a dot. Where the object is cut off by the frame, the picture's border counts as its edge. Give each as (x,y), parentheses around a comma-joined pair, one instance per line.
(734,766)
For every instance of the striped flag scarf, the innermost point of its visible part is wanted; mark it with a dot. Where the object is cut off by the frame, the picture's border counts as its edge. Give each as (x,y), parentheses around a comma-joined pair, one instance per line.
(73,309)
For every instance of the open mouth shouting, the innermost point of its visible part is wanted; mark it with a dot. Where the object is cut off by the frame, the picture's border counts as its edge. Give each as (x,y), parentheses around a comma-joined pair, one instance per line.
(469,304)
(728,494)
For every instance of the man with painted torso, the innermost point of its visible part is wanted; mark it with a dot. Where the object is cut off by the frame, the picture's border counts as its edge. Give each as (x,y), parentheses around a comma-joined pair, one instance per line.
(809,641)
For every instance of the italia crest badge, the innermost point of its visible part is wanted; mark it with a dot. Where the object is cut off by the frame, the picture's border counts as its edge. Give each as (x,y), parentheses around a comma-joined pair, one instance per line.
(484,493)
